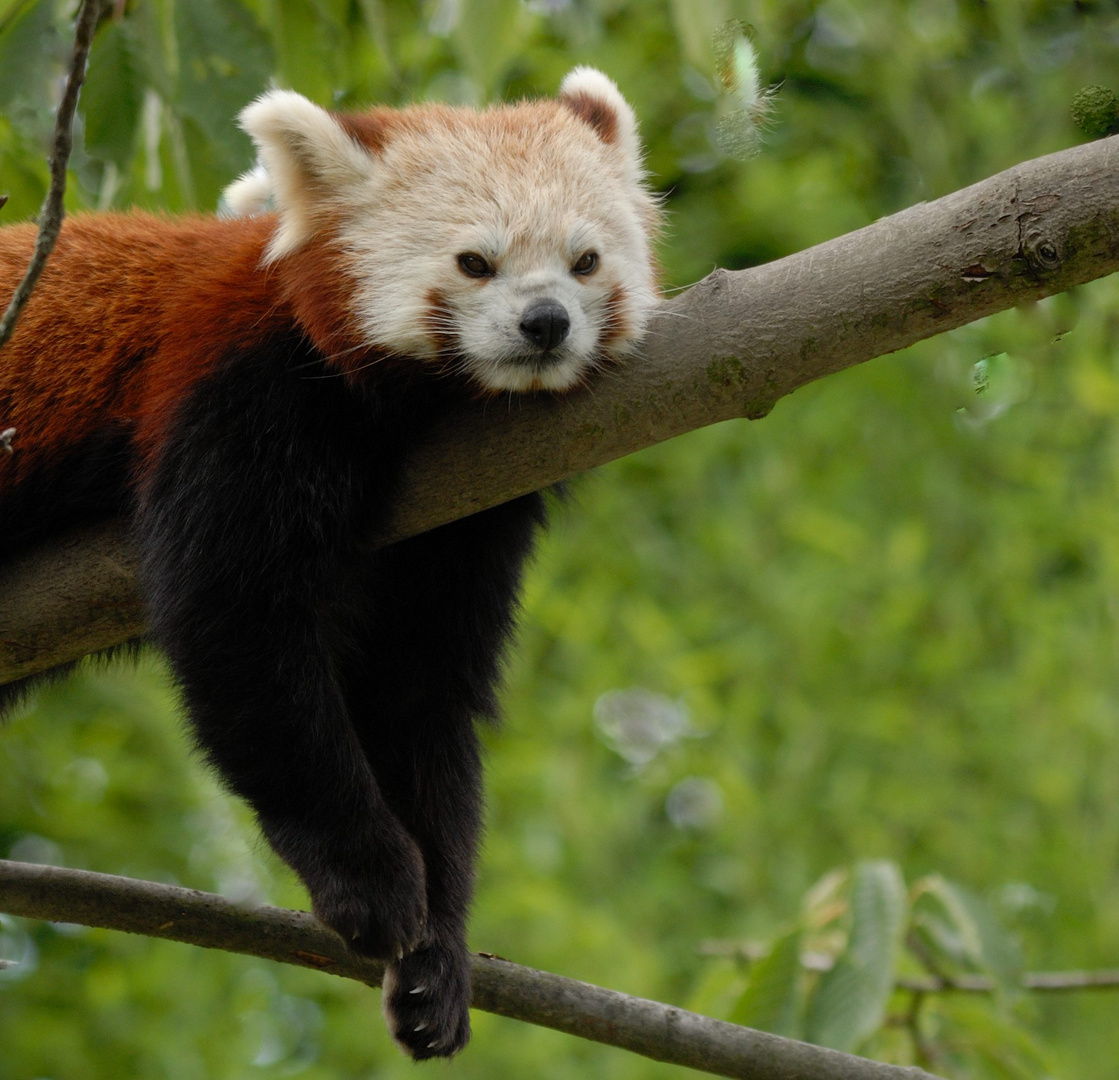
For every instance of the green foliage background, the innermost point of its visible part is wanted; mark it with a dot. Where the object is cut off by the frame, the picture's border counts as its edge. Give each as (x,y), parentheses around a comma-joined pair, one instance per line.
(881,624)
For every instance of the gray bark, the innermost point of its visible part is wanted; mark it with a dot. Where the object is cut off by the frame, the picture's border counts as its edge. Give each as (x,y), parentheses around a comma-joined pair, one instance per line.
(731,346)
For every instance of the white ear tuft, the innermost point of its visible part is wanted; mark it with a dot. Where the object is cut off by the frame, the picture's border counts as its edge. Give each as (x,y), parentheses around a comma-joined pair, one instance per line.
(595,98)
(591,81)
(248,194)
(307,156)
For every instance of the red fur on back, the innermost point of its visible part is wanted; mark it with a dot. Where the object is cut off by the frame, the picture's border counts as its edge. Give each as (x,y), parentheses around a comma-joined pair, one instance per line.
(132,310)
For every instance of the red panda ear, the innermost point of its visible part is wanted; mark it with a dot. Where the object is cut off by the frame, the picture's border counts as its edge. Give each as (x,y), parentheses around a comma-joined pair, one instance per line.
(595,99)
(310,159)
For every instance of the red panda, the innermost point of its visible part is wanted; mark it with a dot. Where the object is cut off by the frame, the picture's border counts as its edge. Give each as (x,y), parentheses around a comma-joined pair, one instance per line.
(243,390)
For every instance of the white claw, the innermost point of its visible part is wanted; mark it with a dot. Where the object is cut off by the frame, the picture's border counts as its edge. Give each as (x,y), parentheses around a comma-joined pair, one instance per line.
(431,1045)
(400,953)
(419,1027)
(417,989)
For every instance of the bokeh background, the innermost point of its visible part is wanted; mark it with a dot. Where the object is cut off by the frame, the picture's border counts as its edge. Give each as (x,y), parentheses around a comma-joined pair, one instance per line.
(880,624)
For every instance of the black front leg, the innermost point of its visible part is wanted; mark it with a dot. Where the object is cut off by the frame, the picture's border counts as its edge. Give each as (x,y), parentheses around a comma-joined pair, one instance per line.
(260,494)
(427,643)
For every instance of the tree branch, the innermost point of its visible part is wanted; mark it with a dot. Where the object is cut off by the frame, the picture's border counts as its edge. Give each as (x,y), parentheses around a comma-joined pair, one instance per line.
(52,212)
(731,346)
(1055,981)
(645,1027)
(1042,981)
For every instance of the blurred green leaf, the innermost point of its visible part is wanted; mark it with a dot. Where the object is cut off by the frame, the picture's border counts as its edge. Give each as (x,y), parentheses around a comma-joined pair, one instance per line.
(152,24)
(1002,1049)
(718,988)
(224,59)
(771,999)
(113,95)
(486,36)
(696,22)
(982,939)
(30,50)
(850,1000)
(23,175)
(306,48)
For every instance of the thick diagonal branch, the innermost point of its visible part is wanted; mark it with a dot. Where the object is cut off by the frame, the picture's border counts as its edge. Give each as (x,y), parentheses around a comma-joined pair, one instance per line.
(731,346)
(294,937)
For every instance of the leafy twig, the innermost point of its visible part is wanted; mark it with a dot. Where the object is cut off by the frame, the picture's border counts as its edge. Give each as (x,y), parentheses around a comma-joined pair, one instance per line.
(52,212)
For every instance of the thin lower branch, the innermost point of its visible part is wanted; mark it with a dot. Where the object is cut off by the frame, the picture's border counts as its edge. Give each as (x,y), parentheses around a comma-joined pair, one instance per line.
(1102,979)
(1042,981)
(650,1028)
(52,212)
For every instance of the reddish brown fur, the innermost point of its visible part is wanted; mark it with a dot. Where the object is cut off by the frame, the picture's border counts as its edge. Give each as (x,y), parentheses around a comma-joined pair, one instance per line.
(438,316)
(615,326)
(132,310)
(369,128)
(319,295)
(596,113)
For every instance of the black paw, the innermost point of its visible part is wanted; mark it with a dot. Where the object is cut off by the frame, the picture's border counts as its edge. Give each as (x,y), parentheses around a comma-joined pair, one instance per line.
(381,913)
(425,998)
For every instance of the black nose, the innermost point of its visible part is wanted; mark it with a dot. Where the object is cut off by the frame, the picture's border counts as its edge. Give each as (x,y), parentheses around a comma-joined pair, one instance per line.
(545,323)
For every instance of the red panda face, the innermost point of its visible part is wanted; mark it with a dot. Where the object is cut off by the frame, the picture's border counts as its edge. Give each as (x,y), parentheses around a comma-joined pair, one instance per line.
(510,246)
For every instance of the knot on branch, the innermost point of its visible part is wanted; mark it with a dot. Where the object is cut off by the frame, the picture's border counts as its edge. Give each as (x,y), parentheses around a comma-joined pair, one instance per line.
(1042,252)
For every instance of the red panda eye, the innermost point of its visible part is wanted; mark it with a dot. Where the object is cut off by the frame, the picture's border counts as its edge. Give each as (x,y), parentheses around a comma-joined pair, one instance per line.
(474,265)
(586,264)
